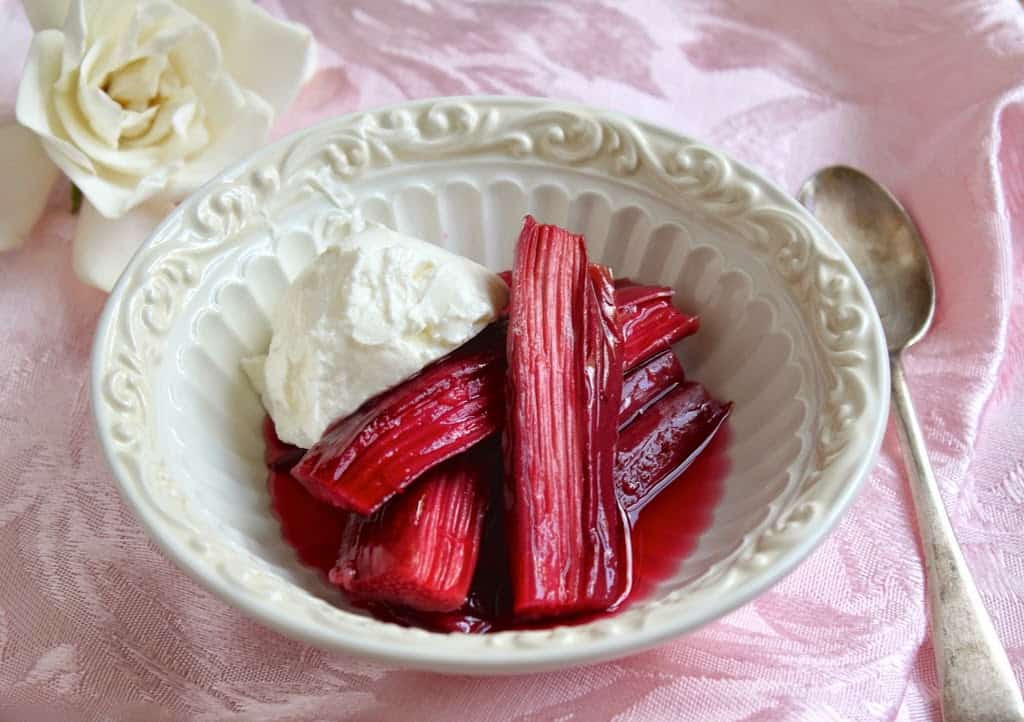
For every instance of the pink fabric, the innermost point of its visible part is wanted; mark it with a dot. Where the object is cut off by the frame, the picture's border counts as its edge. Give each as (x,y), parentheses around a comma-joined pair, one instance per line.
(928,97)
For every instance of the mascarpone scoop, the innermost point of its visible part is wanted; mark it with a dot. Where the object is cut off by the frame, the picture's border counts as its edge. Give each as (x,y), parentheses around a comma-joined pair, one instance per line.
(365,315)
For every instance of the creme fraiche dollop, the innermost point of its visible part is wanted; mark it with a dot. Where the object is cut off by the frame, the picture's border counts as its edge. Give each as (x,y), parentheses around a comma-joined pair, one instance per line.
(362,317)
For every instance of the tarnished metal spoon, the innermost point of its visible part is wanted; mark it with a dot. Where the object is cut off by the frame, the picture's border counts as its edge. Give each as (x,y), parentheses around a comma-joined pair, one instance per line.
(976,680)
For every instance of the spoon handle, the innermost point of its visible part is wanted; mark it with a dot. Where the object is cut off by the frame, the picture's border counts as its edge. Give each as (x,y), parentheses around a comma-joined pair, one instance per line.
(975,676)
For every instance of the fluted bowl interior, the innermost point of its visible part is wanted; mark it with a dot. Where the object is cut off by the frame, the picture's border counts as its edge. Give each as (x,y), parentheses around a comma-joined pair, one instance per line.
(788,334)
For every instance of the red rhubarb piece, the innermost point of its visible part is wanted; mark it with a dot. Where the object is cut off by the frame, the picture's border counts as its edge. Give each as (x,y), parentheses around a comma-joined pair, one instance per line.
(650,323)
(663,441)
(276,453)
(420,551)
(488,605)
(568,538)
(631,293)
(365,459)
(651,328)
(647,383)
(489,602)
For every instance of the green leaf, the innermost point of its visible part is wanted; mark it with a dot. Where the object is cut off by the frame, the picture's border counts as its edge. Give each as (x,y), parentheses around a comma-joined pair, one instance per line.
(76,199)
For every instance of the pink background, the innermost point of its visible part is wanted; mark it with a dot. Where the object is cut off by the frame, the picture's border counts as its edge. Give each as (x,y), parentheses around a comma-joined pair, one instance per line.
(929,98)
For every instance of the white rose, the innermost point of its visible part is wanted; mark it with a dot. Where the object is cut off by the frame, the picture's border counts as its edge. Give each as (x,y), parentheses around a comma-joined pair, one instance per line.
(141,102)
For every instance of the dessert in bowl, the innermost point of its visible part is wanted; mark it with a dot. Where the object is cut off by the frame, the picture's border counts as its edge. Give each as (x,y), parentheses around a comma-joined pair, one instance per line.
(398,486)
(788,335)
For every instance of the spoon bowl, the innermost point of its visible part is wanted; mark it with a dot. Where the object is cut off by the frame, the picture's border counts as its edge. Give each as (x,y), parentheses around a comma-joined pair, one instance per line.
(884,244)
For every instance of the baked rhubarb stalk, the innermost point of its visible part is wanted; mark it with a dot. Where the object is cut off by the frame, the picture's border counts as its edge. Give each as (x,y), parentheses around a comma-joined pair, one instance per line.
(650,323)
(628,292)
(488,604)
(420,550)
(647,383)
(568,537)
(366,458)
(663,441)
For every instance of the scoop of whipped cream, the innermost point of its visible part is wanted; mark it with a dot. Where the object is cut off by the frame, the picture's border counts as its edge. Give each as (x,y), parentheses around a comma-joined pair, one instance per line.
(365,315)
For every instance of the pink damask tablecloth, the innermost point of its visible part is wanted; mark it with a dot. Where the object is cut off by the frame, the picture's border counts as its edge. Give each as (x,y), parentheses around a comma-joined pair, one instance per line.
(928,97)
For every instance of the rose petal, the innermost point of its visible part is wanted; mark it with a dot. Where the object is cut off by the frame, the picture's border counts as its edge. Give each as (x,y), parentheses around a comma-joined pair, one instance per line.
(103,247)
(46,14)
(244,29)
(245,130)
(114,196)
(23,199)
(76,30)
(102,113)
(34,109)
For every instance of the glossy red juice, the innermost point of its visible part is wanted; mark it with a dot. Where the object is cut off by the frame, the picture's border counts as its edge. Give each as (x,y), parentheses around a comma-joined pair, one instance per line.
(668,529)
(311,527)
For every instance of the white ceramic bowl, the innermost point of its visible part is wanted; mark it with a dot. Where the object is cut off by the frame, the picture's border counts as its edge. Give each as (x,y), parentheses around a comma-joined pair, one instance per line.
(788,333)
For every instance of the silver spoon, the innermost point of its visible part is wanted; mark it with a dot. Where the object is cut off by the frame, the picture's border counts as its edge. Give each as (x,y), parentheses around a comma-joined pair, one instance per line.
(975,677)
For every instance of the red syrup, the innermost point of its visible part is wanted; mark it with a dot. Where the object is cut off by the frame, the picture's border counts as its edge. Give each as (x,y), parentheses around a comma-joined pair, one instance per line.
(664,533)
(669,527)
(311,527)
